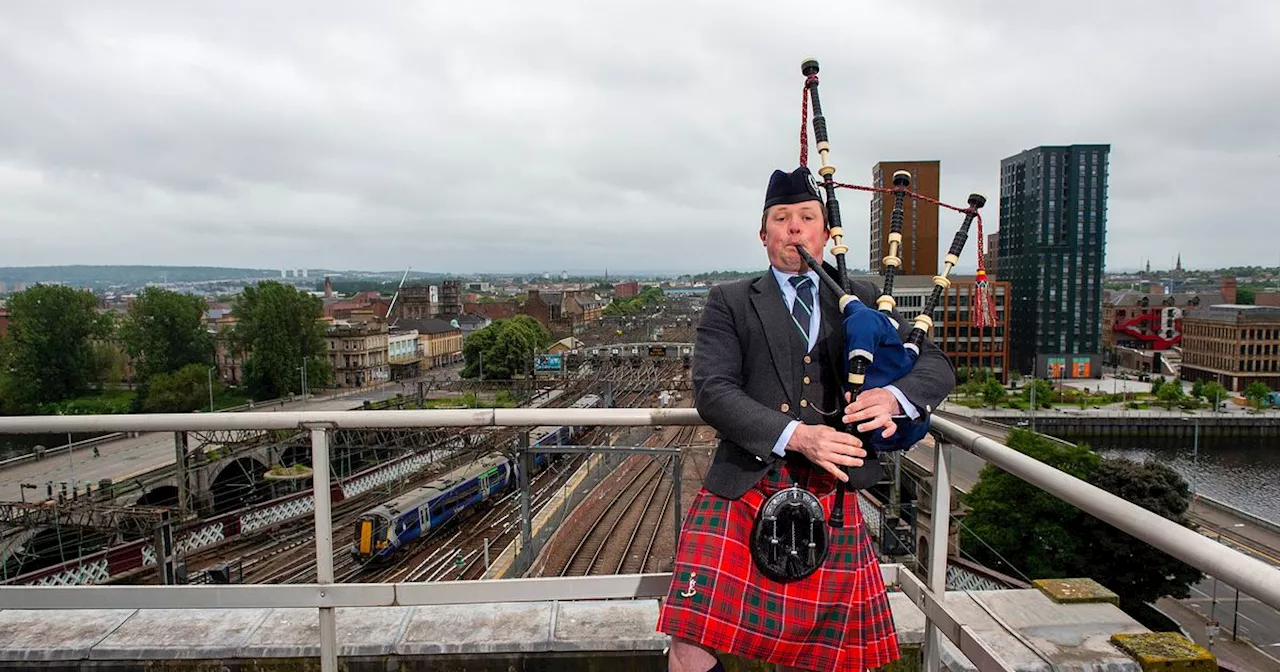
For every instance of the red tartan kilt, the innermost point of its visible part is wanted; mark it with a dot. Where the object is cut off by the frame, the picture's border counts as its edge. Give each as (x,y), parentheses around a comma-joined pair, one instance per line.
(837,618)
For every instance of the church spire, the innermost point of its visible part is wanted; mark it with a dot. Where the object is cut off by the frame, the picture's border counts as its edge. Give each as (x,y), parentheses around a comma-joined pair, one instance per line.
(1179,267)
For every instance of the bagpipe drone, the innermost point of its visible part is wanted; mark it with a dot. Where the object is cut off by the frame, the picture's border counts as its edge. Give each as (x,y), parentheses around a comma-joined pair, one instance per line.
(877,352)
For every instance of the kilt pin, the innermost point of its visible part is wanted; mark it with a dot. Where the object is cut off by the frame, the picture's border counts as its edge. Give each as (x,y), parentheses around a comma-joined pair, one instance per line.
(838,618)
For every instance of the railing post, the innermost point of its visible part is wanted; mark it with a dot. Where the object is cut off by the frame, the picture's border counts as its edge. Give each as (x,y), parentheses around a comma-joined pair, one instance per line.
(166,556)
(677,475)
(940,517)
(180,453)
(324,544)
(526,503)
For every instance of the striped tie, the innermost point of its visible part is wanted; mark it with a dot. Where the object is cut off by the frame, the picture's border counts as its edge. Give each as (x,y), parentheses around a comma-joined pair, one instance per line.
(802,307)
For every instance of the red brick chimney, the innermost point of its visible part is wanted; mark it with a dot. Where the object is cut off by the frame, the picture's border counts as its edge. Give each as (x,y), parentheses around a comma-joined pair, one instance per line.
(328,287)
(1228,289)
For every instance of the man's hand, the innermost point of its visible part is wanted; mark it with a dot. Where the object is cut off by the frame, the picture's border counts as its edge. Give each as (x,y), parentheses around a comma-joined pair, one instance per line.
(828,448)
(877,406)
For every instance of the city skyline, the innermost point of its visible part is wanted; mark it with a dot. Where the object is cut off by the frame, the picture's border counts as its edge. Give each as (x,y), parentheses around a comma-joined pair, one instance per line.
(569,138)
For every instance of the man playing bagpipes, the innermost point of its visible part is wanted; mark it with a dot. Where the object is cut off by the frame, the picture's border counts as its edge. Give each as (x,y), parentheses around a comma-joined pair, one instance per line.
(767,567)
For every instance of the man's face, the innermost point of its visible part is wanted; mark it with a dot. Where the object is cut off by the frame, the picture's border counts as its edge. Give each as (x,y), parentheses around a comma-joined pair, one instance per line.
(790,224)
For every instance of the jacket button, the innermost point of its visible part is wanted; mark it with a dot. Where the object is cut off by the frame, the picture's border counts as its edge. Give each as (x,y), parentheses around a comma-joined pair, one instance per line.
(785,408)
(808,359)
(806,380)
(804,402)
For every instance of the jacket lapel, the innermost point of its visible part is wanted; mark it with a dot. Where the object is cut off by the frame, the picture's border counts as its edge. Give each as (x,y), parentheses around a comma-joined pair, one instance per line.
(766,297)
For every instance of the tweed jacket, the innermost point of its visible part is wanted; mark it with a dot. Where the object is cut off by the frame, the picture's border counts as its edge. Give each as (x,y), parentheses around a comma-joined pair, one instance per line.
(746,365)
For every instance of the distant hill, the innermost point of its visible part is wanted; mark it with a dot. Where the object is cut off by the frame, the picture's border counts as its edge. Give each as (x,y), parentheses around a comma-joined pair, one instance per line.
(86,275)
(126,274)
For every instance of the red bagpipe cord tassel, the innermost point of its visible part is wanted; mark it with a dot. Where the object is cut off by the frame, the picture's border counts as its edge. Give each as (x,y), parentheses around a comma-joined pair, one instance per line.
(984,314)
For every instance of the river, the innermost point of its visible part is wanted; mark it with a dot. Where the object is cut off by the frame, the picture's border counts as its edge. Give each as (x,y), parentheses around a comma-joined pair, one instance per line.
(1244,473)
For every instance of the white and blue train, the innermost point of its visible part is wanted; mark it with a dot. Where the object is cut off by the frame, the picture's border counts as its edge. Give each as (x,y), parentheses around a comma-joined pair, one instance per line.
(385,529)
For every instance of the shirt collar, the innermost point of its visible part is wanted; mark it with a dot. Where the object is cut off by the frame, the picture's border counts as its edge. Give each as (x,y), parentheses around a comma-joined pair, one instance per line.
(784,281)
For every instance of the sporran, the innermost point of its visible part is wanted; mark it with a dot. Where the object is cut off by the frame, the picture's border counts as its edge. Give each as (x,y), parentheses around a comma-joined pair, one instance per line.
(789,537)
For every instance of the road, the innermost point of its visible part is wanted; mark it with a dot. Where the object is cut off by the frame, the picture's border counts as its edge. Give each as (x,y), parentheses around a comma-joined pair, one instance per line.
(123,458)
(1259,623)
(965,466)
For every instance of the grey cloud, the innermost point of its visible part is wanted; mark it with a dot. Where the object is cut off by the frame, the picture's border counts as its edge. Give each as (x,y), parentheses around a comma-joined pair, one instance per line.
(575,135)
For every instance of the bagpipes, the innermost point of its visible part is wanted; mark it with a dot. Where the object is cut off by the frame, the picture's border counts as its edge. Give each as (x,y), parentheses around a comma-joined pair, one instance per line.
(789,540)
(877,355)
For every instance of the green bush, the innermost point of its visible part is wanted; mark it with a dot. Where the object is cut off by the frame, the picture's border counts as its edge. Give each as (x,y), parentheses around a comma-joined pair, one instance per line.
(109,402)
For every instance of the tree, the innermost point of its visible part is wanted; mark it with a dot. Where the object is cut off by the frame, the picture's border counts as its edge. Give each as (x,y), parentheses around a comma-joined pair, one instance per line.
(504,348)
(993,392)
(109,363)
(279,327)
(182,391)
(1214,391)
(1245,296)
(1025,531)
(1138,572)
(1257,392)
(49,352)
(1156,384)
(1197,389)
(164,331)
(652,295)
(1170,393)
(1029,527)
(1044,392)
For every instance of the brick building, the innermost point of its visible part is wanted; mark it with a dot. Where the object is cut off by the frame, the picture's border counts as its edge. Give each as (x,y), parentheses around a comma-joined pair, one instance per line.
(953,329)
(230,362)
(1259,299)
(417,301)
(1233,344)
(563,313)
(450,298)
(364,302)
(919,250)
(626,290)
(494,310)
(1149,321)
(548,309)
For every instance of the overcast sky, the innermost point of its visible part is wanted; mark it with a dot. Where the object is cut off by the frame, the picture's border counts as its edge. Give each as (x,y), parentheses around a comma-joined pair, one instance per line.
(550,135)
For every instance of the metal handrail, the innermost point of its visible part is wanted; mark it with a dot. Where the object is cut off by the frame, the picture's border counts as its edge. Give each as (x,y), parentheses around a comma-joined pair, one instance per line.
(400,419)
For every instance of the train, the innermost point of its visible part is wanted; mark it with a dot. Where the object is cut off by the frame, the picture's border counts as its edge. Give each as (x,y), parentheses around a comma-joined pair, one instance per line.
(384,530)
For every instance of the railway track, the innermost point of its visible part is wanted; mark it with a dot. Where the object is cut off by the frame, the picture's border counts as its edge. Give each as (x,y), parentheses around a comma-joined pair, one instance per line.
(461,556)
(285,553)
(619,534)
(628,506)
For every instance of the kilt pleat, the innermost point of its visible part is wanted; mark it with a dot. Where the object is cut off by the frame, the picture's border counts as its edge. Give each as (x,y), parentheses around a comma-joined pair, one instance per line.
(837,618)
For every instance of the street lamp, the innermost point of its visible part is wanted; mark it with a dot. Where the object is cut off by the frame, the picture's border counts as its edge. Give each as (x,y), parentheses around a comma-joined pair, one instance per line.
(211,369)
(303,369)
